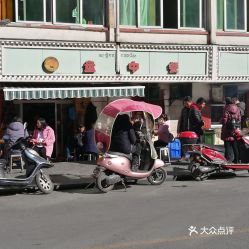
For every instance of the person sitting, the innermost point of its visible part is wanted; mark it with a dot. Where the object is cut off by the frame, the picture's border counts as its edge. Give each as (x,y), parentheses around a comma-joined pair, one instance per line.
(123,135)
(14,131)
(43,139)
(79,142)
(164,136)
(139,127)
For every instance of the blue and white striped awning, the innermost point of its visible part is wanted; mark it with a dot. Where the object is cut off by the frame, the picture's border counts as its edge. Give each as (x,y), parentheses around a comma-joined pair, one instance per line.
(15,93)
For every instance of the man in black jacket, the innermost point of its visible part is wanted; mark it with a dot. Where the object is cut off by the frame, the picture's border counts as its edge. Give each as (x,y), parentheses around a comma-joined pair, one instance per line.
(183,124)
(195,118)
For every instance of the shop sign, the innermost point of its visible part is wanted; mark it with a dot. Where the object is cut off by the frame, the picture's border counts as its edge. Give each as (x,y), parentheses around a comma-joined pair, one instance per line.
(133,66)
(173,67)
(50,64)
(89,67)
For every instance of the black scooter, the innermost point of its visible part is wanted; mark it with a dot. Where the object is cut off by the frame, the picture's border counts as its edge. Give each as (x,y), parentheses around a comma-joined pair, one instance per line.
(33,164)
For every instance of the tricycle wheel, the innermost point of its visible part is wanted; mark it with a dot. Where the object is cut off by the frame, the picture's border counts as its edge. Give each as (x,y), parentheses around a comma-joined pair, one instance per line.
(157,176)
(44,183)
(101,183)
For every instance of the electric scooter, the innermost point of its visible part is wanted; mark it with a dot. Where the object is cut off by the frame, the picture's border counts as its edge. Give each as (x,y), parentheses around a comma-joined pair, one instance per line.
(34,164)
(115,167)
(206,160)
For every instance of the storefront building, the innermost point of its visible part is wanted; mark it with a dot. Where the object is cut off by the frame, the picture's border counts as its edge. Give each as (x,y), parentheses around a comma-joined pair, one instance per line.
(55,54)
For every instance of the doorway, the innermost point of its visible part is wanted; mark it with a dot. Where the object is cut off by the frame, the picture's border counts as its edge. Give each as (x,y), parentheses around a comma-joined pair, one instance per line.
(32,111)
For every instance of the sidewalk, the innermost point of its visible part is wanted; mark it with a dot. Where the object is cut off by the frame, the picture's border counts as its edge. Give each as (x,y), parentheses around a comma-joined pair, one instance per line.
(71,174)
(78,174)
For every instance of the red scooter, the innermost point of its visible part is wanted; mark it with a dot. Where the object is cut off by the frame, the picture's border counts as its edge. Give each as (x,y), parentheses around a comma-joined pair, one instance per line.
(114,167)
(206,159)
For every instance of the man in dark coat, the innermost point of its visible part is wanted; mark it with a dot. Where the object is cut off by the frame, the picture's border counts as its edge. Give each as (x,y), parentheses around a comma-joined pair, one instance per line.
(195,118)
(123,135)
(183,124)
(231,111)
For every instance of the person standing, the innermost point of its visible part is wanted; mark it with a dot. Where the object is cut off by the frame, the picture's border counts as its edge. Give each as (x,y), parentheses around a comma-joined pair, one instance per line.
(242,107)
(43,138)
(231,117)
(79,142)
(183,124)
(195,117)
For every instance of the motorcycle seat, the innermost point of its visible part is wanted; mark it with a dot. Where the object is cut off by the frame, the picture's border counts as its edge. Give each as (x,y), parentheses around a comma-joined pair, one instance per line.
(128,156)
(217,148)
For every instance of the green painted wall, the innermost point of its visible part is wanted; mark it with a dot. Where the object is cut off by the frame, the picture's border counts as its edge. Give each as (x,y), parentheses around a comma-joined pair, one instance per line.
(233,64)
(18,61)
(25,61)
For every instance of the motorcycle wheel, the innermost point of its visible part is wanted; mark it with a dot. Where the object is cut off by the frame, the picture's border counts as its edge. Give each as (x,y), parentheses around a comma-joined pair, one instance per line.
(101,183)
(157,176)
(44,183)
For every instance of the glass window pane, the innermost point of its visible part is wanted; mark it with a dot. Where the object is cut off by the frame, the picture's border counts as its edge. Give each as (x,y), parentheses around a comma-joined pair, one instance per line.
(93,12)
(220,14)
(30,10)
(48,10)
(235,14)
(150,13)
(170,14)
(189,13)
(67,11)
(127,9)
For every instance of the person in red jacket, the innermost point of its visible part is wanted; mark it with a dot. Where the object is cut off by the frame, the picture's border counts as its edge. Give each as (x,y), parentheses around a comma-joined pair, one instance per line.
(231,117)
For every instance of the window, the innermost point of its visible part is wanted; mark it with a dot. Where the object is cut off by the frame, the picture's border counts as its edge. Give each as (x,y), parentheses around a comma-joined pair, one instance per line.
(31,10)
(128,10)
(150,13)
(162,13)
(140,13)
(190,13)
(231,15)
(84,12)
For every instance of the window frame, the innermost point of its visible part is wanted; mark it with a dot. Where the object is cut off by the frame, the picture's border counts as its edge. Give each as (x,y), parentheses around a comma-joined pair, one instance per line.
(225,19)
(53,17)
(150,27)
(23,21)
(201,16)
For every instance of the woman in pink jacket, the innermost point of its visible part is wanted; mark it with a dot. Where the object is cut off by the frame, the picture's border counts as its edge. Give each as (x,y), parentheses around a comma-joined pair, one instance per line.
(43,138)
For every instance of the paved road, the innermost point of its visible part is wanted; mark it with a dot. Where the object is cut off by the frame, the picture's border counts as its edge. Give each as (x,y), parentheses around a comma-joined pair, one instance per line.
(144,217)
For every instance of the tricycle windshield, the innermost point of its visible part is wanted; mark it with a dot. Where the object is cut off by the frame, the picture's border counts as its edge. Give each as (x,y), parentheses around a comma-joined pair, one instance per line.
(107,117)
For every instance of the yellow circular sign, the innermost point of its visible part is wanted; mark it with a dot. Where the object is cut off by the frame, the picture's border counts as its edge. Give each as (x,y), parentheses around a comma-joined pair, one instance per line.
(50,64)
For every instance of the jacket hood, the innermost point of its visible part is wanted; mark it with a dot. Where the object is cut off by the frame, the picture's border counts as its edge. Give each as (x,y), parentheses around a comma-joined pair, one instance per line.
(15,126)
(232,108)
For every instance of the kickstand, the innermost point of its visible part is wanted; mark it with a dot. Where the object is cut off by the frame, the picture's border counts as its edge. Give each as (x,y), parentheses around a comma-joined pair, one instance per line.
(123,183)
(91,183)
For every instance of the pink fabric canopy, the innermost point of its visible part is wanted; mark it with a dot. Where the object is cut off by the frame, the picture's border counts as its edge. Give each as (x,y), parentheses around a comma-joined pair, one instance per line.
(128,105)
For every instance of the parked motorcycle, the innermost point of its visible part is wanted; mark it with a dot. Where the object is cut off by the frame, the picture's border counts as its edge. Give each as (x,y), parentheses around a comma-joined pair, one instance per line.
(206,160)
(115,167)
(33,163)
